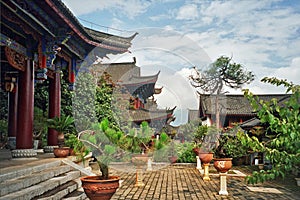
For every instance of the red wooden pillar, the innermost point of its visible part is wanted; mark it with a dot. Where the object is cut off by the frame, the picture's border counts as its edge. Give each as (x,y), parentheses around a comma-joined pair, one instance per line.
(25,108)
(12,116)
(54,105)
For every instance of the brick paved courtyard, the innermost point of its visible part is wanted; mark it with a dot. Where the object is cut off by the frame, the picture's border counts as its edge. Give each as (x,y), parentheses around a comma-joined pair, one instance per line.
(185,182)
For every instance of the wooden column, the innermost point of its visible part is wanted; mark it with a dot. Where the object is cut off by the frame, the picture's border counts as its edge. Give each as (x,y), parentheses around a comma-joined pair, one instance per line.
(12,117)
(25,107)
(54,105)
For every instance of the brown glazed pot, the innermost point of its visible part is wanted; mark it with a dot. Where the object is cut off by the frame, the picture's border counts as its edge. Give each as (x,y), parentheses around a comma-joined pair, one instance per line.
(222,164)
(61,152)
(196,150)
(97,189)
(172,159)
(205,157)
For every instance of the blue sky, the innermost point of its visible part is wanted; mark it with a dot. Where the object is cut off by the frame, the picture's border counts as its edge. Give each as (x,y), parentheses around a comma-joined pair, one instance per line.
(174,36)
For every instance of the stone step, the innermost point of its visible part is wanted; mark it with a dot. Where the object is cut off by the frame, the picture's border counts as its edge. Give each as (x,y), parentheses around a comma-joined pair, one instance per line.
(77,194)
(27,169)
(5,154)
(48,185)
(69,191)
(21,182)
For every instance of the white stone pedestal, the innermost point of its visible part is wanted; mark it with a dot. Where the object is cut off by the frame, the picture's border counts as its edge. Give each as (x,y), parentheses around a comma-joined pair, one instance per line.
(223,184)
(149,165)
(198,163)
(206,172)
(139,178)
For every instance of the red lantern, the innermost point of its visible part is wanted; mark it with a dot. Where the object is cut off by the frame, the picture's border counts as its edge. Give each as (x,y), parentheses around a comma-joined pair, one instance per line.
(44,59)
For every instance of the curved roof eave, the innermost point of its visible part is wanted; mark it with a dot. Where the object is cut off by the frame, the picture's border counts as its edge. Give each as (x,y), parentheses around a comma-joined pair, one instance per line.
(68,17)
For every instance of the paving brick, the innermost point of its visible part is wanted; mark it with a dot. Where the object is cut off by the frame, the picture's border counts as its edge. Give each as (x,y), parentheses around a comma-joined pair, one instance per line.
(176,182)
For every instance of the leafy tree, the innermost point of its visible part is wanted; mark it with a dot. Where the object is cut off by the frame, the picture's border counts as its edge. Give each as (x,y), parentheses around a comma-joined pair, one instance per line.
(66,95)
(283,119)
(188,131)
(41,96)
(3,113)
(103,102)
(83,102)
(223,72)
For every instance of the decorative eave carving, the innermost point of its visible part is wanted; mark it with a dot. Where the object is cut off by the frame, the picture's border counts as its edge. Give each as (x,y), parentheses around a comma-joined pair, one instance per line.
(15,59)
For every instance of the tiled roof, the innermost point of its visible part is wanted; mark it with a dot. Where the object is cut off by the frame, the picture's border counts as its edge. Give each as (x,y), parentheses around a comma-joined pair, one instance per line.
(140,80)
(193,115)
(145,115)
(119,71)
(250,123)
(96,38)
(109,39)
(233,104)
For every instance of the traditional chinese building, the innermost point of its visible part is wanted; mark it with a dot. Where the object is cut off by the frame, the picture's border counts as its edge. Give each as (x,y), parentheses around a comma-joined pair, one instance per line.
(38,40)
(232,108)
(140,98)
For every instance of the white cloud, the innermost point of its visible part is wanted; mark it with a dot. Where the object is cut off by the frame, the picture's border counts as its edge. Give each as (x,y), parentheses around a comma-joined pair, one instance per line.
(129,8)
(291,73)
(261,35)
(188,12)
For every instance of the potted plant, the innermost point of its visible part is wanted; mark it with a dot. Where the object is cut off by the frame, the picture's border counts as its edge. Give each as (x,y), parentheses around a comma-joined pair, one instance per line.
(223,154)
(228,147)
(104,142)
(199,134)
(77,149)
(108,143)
(62,125)
(173,156)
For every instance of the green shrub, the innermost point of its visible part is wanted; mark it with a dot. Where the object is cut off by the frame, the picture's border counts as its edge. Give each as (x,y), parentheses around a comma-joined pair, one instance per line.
(185,152)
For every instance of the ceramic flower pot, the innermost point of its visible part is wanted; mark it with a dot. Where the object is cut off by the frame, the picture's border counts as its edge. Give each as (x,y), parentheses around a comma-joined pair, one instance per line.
(61,152)
(222,164)
(98,189)
(196,150)
(205,157)
(172,159)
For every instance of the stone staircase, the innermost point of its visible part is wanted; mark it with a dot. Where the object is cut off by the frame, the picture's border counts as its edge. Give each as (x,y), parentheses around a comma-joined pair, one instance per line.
(46,179)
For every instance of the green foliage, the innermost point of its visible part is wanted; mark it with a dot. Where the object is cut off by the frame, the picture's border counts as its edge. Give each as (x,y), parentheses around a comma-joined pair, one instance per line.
(110,144)
(40,127)
(103,101)
(66,95)
(229,146)
(162,142)
(188,131)
(185,152)
(283,119)
(78,147)
(199,134)
(41,96)
(84,101)
(62,124)
(223,72)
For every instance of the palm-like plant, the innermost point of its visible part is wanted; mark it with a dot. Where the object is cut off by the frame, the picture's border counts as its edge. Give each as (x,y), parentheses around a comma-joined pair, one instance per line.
(62,125)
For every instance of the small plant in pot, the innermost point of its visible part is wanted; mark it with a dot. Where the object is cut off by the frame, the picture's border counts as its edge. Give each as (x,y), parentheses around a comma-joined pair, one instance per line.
(62,125)
(230,147)
(105,142)
(77,148)
(222,154)
(199,134)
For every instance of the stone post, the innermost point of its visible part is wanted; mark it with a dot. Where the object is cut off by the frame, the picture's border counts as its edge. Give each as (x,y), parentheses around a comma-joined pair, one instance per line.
(223,184)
